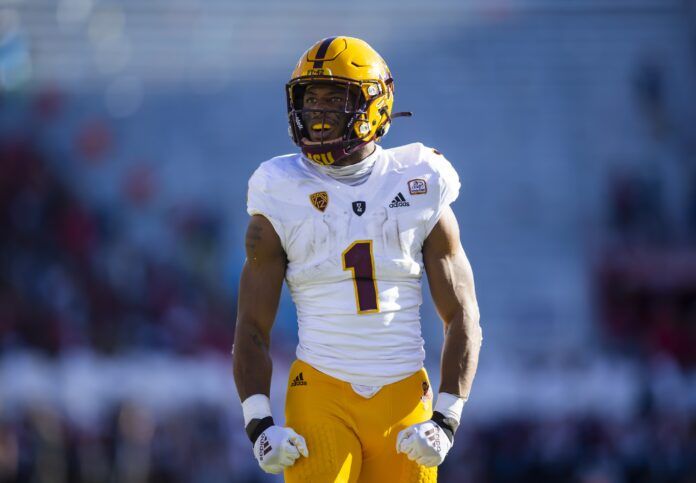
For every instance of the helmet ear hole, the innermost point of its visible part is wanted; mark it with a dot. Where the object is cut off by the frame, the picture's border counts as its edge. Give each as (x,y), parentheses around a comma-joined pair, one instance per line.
(381,131)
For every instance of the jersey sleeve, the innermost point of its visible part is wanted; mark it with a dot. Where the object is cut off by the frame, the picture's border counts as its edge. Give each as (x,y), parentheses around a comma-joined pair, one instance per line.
(447,184)
(260,200)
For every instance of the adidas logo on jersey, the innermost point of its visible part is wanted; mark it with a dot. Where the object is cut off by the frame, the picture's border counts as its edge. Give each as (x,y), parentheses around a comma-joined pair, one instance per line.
(298,381)
(398,201)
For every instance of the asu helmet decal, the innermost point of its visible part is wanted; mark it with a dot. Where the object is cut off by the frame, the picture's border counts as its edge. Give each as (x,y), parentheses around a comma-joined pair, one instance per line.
(353,64)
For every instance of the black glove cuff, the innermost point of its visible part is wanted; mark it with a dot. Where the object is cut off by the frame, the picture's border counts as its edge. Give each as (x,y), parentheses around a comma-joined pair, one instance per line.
(258,426)
(448,425)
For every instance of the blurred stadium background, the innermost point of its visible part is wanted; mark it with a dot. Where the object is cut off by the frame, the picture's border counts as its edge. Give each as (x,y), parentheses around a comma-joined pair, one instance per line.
(128,130)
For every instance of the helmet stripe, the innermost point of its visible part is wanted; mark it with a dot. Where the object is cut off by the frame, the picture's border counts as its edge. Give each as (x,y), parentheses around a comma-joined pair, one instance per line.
(319,59)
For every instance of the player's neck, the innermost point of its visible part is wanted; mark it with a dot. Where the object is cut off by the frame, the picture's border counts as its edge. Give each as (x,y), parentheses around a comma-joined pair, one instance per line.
(357,156)
(350,174)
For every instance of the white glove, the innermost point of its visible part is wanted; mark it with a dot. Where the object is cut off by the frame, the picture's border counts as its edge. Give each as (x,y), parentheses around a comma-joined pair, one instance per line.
(425,443)
(277,448)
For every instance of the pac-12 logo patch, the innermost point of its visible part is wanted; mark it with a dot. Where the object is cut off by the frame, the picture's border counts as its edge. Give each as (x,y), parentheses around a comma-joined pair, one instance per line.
(417,186)
(359,207)
(320,200)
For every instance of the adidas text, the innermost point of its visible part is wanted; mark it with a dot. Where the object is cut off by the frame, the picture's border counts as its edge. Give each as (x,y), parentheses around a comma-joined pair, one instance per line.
(399,201)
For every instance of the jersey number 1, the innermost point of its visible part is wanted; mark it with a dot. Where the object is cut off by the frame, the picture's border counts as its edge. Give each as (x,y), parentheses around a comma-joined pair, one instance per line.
(358,259)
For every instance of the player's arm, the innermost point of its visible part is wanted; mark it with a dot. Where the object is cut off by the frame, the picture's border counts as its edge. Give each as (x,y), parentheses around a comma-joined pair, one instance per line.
(451,283)
(452,287)
(259,295)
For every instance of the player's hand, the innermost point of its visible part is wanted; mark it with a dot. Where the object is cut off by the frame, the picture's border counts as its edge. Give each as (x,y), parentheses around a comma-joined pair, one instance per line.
(277,448)
(425,443)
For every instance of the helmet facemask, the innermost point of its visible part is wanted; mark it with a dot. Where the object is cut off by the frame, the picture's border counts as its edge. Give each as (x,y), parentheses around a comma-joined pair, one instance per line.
(356,132)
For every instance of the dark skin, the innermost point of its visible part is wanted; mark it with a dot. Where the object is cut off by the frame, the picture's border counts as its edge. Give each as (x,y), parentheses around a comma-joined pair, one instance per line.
(451,283)
(332,97)
(451,286)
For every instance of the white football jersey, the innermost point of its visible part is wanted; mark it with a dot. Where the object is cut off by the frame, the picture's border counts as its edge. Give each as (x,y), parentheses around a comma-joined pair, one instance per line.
(354,256)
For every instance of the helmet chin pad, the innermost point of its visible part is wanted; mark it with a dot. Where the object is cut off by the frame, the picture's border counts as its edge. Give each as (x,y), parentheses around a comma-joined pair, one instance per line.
(328,152)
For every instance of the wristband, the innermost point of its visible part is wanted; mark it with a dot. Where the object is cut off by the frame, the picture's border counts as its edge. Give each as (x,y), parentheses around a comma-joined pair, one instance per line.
(449,425)
(449,405)
(258,426)
(257,406)
(447,413)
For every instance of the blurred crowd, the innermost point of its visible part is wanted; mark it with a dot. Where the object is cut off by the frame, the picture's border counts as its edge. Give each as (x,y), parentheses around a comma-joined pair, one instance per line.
(199,445)
(648,302)
(70,278)
(126,445)
(646,275)
(647,448)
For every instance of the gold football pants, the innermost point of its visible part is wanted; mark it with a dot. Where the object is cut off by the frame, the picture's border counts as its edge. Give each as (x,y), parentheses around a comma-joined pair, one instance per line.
(351,438)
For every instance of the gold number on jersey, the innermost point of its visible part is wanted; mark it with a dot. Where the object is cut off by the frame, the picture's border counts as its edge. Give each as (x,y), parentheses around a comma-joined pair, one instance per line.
(358,258)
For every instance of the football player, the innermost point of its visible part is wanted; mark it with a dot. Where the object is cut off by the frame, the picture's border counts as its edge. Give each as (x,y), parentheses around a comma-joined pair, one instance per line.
(351,227)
